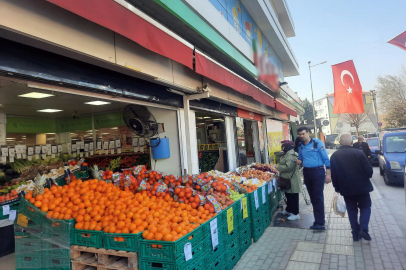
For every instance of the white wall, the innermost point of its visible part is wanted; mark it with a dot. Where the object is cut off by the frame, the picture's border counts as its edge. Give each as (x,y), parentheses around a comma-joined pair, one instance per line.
(170,165)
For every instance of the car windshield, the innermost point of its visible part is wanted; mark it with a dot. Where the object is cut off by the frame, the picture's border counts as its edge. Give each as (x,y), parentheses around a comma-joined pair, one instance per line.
(331,138)
(371,135)
(373,142)
(396,144)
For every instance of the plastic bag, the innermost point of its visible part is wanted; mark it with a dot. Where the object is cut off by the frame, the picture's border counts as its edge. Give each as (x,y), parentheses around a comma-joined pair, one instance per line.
(339,206)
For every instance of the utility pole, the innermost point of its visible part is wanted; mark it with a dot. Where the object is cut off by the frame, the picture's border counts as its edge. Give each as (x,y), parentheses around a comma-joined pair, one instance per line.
(311,87)
(375,109)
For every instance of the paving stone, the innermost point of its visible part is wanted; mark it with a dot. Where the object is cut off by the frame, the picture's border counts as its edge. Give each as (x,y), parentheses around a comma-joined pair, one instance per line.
(292,265)
(339,250)
(305,246)
(306,256)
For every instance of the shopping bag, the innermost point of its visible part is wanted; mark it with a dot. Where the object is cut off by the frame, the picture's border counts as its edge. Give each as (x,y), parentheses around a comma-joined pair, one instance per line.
(339,206)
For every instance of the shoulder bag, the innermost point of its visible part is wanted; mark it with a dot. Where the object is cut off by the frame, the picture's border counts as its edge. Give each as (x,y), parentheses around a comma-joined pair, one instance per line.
(285,183)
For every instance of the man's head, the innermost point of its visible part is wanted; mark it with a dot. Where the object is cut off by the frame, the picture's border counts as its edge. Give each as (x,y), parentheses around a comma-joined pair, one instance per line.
(360,138)
(345,139)
(303,133)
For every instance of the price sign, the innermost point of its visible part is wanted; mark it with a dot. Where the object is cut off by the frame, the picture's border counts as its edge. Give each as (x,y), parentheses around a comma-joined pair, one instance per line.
(81,154)
(230,220)
(37,149)
(269,187)
(18,149)
(118,150)
(82,145)
(86,147)
(43,149)
(256,199)
(141,142)
(49,146)
(3,160)
(91,153)
(11,159)
(135,141)
(263,194)
(22,220)
(214,233)
(112,145)
(187,249)
(91,148)
(98,145)
(118,143)
(106,145)
(23,149)
(112,151)
(59,148)
(11,152)
(4,151)
(13,214)
(6,209)
(44,156)
(29,158)
(30,151)
(54,149)
(244,208)
(74,148)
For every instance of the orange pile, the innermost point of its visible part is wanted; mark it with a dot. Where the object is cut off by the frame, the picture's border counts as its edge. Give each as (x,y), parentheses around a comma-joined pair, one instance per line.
(99,206)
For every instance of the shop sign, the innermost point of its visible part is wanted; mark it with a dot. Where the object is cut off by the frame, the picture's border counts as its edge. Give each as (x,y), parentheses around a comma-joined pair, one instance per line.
(249,115)
(30,125)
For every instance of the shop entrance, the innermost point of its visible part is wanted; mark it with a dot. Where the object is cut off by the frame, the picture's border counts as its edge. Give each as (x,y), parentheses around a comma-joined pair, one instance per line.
(248,141)
(212,142)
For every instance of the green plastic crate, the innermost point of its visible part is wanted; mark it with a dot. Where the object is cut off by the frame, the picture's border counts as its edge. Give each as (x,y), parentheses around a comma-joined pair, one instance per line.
(29,260)
(56,263)
(245,241)
(214,253)
(198,253)
(258,232)
(217,263)
(171,250)
(244,223)
(240,211)
(232,259)
(27,244)
(33,213)
(13,206)
(59,229)
(245,233)
(53,249)
(232,245)
(88,238)
(130,243)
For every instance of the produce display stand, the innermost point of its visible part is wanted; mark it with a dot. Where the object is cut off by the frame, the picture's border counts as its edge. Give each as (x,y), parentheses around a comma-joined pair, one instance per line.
(219,243)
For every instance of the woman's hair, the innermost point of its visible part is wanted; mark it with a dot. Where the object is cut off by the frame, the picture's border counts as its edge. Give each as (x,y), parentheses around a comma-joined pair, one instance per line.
(287,146)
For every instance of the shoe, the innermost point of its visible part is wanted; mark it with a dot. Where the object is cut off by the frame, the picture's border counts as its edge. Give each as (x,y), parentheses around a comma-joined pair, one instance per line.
(364,234)
(286,213)
(355,237)
(318,227)
(294,217)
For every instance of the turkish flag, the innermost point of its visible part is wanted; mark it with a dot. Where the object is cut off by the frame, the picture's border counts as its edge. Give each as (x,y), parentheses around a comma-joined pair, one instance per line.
(347,89)
(399,41)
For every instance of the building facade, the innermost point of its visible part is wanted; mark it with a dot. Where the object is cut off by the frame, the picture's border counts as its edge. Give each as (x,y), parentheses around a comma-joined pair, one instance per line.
(189,62)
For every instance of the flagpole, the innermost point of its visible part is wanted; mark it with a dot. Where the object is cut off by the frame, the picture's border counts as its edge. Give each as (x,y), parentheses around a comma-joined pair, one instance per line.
(314,114)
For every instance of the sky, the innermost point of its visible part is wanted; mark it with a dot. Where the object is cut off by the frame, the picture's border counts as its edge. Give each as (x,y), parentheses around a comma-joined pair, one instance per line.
(337,31)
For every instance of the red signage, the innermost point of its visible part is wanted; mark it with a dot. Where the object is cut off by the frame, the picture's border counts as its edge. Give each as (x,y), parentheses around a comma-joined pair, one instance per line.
(249,115)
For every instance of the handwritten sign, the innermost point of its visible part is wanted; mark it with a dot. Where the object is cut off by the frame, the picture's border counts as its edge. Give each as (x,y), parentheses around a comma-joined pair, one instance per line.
(230,220)
(244,208)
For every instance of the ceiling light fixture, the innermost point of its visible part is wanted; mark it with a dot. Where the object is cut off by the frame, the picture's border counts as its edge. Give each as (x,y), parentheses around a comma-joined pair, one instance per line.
(10,138)
(49,110)
(114,128)
(50,133)
(206,117)
(97,102)
(36,95)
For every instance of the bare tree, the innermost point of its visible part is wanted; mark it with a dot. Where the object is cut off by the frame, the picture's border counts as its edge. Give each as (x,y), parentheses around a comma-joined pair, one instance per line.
(355,119)
(392,98)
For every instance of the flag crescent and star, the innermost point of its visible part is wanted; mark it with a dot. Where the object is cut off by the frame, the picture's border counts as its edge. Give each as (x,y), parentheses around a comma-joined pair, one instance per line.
(347,89)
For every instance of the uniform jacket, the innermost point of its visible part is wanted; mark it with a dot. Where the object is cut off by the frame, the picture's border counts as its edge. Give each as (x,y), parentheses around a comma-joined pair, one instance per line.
(313,156)
(364,147)
(351,171)
(286,166)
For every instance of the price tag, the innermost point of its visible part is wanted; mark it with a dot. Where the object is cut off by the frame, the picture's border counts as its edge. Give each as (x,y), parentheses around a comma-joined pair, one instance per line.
(18,149)
(91,146)
(6,209)
(74,148)
(13,214)
(44,156)
(81,154)
(98,145)
(230,220)
(241,204)
(3,160)
(43,149)
(106,145)
(49,146)
(244,208)
(263,194)
(52,155)
(19,156)
(30,151)
(54,149)
(11,152)
(112,151)
(11,159)
(59,148)
(82,145)
(22,220)
(23,148)
(112,145)
(37,149)
(274,185)
(256,199)
(69,146)
(36,156)
(86,154)
(214,233)
(118,150)
(4,151)
(118,143)
(24,155)
(269,187)
(29,158)
(187,249)
(135,141)
(141,142)
(86,147)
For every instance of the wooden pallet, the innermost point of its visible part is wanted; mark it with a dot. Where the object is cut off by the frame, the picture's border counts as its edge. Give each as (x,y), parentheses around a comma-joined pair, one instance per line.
(89,258)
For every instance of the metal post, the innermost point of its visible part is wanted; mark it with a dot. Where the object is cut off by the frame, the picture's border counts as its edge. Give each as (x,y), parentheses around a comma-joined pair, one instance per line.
(375,109)
(314,114)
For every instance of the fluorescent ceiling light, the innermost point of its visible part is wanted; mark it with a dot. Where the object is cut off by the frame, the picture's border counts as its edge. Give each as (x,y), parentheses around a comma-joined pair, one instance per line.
(206,117)
(49,110)
(199,117)
(114,128)
(10,138)
(97,102)
(218,119)
(36,95)
(50,133)
(105,133)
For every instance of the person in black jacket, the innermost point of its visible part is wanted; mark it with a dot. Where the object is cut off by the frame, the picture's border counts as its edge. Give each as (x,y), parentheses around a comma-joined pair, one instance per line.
(351,173)
(298,141)
(361,145)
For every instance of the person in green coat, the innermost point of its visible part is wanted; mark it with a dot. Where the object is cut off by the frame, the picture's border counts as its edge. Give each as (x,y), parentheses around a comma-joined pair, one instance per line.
(288,169)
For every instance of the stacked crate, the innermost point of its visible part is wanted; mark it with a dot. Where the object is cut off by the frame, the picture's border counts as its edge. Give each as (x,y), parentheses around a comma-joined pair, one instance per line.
(260,209)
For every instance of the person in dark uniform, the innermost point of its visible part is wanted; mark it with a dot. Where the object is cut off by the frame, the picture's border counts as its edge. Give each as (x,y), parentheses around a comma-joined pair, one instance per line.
(316,172)
(298,141)
(361,145)
(351,173)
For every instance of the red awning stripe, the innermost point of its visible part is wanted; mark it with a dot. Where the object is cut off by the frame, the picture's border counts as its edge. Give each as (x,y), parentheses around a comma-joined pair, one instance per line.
(115,17)
(219,74)
(283,108)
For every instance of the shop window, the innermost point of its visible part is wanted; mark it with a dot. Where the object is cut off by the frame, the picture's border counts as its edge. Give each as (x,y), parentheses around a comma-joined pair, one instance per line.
(245,140)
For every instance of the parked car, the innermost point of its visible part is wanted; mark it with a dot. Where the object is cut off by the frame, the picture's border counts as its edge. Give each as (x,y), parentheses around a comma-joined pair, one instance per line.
(330,140)
(392,157)
(374,145)
(371,135)
(354,139)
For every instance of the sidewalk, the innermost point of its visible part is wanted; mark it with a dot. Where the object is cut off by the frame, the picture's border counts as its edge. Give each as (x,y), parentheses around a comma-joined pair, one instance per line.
(304,249)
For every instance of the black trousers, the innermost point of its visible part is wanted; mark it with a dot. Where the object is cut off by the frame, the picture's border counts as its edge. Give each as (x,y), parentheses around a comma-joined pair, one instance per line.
(292,203)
